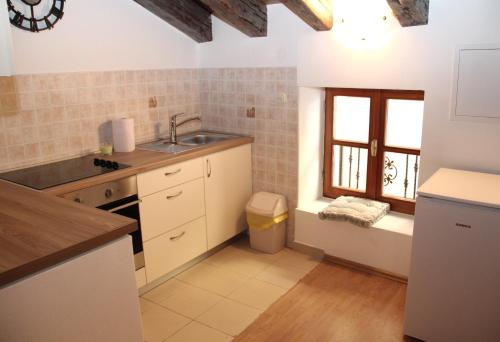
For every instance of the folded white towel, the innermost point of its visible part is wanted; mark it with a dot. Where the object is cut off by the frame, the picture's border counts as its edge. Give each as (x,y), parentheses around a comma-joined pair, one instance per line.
(360,211)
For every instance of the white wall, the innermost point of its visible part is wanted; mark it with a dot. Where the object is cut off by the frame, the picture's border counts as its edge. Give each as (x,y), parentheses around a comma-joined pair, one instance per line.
(117,34)
(6,67)
(231,48)
(413,58)
(98,35)
(311,107)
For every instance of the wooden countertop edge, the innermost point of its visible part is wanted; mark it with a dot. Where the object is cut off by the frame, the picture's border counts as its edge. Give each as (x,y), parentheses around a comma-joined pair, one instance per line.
(12,275)
(165,159)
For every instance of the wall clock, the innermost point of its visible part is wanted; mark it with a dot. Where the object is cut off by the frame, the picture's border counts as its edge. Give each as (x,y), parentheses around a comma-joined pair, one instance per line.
(35,15)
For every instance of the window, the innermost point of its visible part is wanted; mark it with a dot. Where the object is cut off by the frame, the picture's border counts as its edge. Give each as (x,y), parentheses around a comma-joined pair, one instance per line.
(372,145)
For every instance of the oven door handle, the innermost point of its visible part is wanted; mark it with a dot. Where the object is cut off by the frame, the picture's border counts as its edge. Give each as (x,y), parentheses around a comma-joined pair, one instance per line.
(112,210)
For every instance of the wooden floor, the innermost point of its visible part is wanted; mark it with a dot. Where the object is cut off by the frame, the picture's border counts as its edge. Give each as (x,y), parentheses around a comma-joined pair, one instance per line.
(333,303)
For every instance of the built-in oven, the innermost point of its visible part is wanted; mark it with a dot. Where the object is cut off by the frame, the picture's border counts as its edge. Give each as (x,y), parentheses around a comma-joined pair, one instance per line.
(118,197)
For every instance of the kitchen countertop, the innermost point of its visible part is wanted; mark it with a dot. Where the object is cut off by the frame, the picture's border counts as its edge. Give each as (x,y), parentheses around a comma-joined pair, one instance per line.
(38,230)
(144,160)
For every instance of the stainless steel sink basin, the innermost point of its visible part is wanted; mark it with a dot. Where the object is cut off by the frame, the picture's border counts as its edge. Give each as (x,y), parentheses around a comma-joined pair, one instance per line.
(165,146)
(186,142)
(201,139)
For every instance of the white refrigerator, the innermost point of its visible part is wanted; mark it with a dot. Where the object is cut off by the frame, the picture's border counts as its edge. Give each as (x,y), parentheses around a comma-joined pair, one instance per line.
(453,289)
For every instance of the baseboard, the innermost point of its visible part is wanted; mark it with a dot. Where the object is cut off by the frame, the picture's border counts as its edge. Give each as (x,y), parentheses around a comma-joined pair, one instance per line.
(365,268)
(315,252)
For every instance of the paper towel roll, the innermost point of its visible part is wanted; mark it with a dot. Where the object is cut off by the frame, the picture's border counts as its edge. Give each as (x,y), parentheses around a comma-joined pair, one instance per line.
(123,135)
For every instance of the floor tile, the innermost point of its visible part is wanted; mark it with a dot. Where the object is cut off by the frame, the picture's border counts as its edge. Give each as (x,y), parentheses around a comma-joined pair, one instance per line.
(291,258)
(165,290)
(282,277)
(250,280)
(213,279)
(243,245)
(191,301)
(196,332)
(229,316)
(159,323)
(243,262)
(257,294)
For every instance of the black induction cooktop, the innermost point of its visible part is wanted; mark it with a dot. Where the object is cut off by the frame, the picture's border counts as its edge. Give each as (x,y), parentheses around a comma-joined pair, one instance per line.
(62,172)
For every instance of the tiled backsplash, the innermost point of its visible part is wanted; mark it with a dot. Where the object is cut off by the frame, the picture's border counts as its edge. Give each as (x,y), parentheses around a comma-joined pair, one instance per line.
(56,116)
(227,94)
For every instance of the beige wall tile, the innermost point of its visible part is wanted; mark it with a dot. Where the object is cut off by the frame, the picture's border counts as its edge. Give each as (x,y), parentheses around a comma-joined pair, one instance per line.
(53,107)
(7,84)
(24,83)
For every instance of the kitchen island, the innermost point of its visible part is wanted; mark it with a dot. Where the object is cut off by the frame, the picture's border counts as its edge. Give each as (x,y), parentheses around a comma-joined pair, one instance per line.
(66,271)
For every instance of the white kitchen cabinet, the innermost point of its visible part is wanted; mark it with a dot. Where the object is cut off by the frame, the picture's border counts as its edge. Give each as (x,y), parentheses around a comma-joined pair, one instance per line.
(169,176)
(454,278)
(190,207)
(90,297)
(6,62)
(170,208)
(170,250)
(228,187)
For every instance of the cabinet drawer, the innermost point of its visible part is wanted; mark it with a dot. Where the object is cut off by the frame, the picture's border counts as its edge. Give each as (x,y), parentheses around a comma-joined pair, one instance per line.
(170,250)
(171,208)
(166,177)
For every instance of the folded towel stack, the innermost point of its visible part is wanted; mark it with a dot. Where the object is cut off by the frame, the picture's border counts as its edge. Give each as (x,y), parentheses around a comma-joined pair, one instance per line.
(360,211)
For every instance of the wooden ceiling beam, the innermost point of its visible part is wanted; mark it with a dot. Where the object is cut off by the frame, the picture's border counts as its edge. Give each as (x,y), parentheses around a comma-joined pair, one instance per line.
(248,16)
(315,13)
(410,12)
(187,16)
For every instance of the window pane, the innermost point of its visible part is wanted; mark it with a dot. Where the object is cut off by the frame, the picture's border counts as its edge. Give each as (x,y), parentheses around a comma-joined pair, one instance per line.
(400,175)
(349,167)
(404,123)
(351,118)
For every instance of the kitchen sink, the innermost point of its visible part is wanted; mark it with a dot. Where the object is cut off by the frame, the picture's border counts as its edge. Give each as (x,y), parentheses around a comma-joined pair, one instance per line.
(186,142)
(201,139)
(165,146)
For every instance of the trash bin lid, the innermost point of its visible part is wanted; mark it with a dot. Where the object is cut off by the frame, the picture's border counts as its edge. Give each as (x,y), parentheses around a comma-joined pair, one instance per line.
(267,204)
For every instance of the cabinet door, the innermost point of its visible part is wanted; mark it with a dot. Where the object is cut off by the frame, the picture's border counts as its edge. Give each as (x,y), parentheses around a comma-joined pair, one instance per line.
(228,187)
(168,209)
(166,177)
(174,248)
(454,278)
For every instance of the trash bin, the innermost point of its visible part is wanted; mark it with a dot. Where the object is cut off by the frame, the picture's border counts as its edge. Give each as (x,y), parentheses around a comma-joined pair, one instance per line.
(266,216)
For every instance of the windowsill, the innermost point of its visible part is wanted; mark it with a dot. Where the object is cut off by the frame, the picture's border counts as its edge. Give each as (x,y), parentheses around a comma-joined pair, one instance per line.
(393,221)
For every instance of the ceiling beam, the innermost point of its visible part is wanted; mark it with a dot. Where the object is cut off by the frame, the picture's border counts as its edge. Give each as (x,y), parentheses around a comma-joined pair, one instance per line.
(315,13)
(187,16)
(248,16)
(410,12)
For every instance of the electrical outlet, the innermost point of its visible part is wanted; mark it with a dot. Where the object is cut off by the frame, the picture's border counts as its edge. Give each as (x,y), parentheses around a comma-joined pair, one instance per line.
(283,98)
(153,103)
(251,112)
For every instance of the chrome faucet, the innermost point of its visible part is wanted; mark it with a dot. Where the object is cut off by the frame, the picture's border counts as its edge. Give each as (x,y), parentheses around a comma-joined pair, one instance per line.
(174,125)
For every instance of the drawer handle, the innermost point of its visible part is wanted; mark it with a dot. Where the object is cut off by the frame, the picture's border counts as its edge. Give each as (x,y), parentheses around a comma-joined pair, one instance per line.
(177,237)
(173,172)
(209,168)
(174,196)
